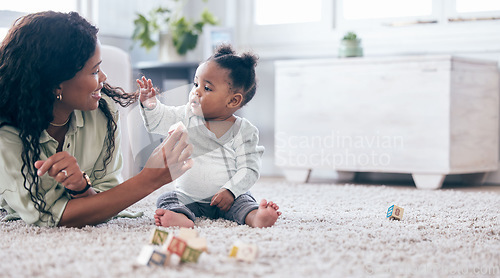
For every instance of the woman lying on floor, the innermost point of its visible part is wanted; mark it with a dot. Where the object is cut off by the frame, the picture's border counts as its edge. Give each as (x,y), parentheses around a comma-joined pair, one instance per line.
(59,138)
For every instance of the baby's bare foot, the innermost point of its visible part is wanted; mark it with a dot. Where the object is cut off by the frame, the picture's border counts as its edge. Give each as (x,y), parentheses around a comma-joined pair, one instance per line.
(265,216)
(167,218)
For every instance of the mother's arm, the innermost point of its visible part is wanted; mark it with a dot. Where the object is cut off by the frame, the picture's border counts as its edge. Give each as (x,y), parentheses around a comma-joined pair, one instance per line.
(166,163)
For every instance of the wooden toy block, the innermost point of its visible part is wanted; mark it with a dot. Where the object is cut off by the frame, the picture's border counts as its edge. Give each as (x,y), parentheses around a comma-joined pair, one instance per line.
(177,246)
(168,258)
(234,251)
(395,212)
(247,252)
(187,234)
(145,255)
(164,247)
(243,251)
(158,258)
(174,260)
(190,255)
(158,237)
(150,255)
(167,249)
(198,243)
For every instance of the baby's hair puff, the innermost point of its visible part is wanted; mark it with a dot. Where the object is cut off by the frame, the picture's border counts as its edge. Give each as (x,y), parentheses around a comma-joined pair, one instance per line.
(241,70)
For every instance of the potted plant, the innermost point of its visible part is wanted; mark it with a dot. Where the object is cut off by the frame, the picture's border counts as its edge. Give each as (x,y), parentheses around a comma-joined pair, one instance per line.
(350,46)
(171,29)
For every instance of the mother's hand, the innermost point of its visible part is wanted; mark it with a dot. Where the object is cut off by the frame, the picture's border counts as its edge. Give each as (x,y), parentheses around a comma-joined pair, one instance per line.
(64,168)
(172,155)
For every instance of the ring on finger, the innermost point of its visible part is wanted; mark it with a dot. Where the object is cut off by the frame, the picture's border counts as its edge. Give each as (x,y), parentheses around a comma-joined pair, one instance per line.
(65,173)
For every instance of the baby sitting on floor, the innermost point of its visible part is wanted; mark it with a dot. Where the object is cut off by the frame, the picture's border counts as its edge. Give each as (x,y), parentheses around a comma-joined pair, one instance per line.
(226,154)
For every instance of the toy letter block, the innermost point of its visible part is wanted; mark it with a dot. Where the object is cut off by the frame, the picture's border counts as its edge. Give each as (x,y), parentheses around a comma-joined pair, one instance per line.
(145,255)
(243,251)
(158,237)
(166,243)
(190,255)
(187,234)
(177,246)
(157,258)
(234,251)
(149,255)
(198,243)
(247,252)
(395,212)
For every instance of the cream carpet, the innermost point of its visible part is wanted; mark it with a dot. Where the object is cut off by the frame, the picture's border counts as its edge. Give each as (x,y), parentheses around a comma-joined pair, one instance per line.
(326,230)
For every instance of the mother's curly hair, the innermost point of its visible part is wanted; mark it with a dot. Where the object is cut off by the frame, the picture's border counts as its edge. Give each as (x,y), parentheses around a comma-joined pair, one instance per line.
(40,51)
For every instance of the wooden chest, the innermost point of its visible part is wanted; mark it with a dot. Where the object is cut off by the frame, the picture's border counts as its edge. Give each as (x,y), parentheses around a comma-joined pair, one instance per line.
(425,115)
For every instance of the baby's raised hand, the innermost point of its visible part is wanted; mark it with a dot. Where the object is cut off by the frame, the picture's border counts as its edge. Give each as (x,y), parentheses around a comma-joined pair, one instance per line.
(147,92)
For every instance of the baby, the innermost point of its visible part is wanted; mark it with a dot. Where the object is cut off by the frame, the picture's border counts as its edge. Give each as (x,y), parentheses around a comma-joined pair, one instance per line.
(226,154)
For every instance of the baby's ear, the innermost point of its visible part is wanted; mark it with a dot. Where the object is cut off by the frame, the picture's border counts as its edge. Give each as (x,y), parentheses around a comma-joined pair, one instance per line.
(235,100)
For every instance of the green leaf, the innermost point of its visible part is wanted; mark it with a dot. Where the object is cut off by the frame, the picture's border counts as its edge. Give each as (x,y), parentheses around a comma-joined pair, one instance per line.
(185,42)
(198,26)
(351,36)
(161,10)
(181,25)
(142,32)
(184,32)
(208,18)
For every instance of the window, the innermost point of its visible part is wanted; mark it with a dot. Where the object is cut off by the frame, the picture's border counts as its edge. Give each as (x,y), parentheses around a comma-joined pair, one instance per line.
(398,13)
(467,6)
(268,12)
(386,13)
(275,30)
(31,6)
(379,9)
(12,10)
(266,22)
(474,10)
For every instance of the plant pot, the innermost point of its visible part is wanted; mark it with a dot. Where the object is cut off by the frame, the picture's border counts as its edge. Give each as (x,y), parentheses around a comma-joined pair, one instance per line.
(167,52)
(350,48)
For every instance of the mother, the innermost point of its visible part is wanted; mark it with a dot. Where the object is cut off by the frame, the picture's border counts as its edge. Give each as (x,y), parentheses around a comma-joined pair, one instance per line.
(60,161)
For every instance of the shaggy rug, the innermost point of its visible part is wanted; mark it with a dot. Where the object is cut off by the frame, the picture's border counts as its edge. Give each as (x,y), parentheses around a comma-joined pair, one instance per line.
(326,230)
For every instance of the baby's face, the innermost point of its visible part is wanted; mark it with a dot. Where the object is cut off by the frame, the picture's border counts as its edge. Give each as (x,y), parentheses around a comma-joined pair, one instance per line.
(211,92)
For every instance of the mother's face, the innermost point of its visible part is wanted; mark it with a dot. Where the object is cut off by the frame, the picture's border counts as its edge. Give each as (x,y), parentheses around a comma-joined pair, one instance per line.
(83,91)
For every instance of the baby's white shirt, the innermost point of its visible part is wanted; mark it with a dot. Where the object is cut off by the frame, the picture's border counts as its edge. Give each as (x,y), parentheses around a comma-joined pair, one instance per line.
(232,161)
